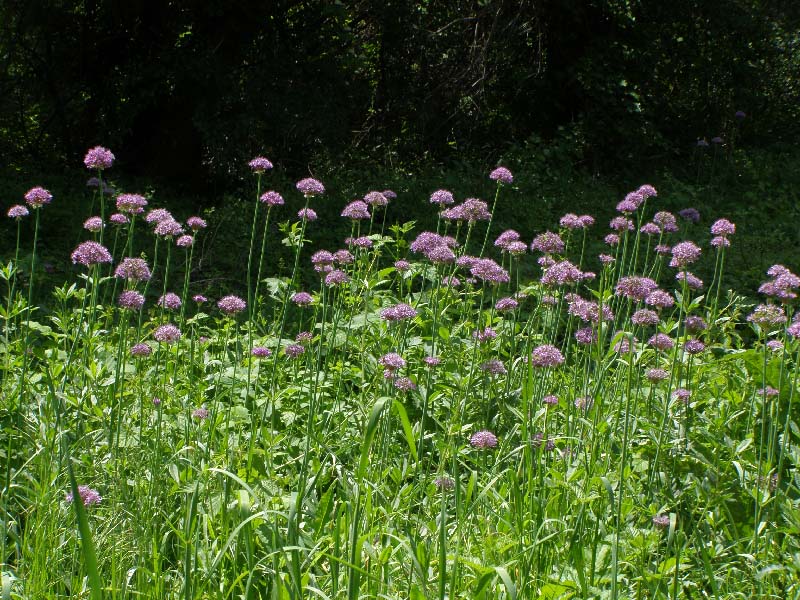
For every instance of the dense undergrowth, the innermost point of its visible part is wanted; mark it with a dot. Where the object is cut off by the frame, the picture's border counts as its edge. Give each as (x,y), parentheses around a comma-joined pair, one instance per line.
(449,409)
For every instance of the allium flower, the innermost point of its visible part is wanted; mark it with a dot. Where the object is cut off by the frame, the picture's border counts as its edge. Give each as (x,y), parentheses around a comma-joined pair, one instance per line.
(720,241)
(550,400)
(682,394)
(133,269)
(310,187)
(404,384)
(93,224)
(501,175)
(170,301)
(392,361)
(196,223)
(294,350)
(586,221)
(444,483)
(141,350)
(656,375)
(694,324)
(621,224)
(389,194)
(261,352)
(585,336)
(584,403)
(774,345)
(302,298)
(38,197)
(17,211)
(88,496)
(723,227)
(130,300)
(157,215)
(119,219)
(635,288)
(272,199)
(650,229)
(483,440)
(473,210)
(740,114)
(259,165)
(767,315)
(694,346)
(485,334)
(627,206)
(692,282)
(659,299)
(376,199)
(200,414)
(402,265)
(647,191)
(343,257)
(662,249)
(336,277)
(793,330)
(488,270)
(505,304)
(606,259)
(98,158)
(493,367)
(612,239)
(441,255)
(547,355)
(356,210)
(661,341)
(516,248)
(89,254)
(690,214)
(666,221)
(304,337)
(624,346)
(768,392)
(199,298)
(661,521)
(432,361)
(168,228)
(167,333)
(184,241)
(307,213)
(156,401)
(570,221)
(442,197)
(548,242)
(134,204)
(644,317)
(398,312)
(562,273)
(586,310)
(231,305)
(684,253)
(363,242)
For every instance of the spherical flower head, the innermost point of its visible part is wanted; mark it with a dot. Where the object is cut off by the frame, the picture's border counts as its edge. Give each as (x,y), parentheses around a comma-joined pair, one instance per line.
(402,265)
(692,215)
(294,350)
(505,238)
(133,269)
(441,255)
(627,206)
(261,352)
(682,394)
(684,253)
(356,210)
(694,346)
(647,191)
(272,199)
(98,158)
(584,403)
(199,298)
(774,345)
(767,315)
(656,375)
(310,187)
(768,392)
(119,219)
(168,228)
(259,165)
(196,223)
(550,400)
(304,337)
(442,197)
(548,242)
(621,224)
(661,521)
(692,282)
(485,334)
(483,440)
(140,350)
(695,324)
(432,361)
(493,367)
(17,212)
(168,333)
(635,288)
(624,345)
(465,261)
(184,241)
(585,336)
(650,229)
(501,175)
(586,221)
(562,273)
(156,401)
(605,259)
(133,204)
(157,215)
(505,304)
(398,312)
(451,281)
(130,300)
(489,271)
(720,241)
(662,249)
(376,199)
(516,248)
(444,484)
(38,197)
(170,301)
(392,361)
(659,299)
(89,254)
(661,341)
(404,384)
(793,330)
(644,317)
(427,241)
(363,242)
(302,298)
(88,496)
(336,277)
(723,227)
(547,355)
(343,257)
(587,310)
(473,210)
(570,221)
(200,414)
(612,239)
(307,214)
(231,305)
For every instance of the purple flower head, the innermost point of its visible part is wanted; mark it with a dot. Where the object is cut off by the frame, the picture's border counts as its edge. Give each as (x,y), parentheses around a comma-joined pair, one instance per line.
(310,187)
(656,375)
(692,215)
(322,259)
(432,361)
(451,281)
(627,206)
(684,253)
(398,312)
(550,400)
(392,361)
(621,224)
(695,324)
(157,215)
(259,165)
(659,299)
(156,401)
(402,265)
(141,350)
(585,336)
(199,298)
(93,224)
(723,227)
(682,395)
(644,317)
(466,261)
(666,221)
(484,335)
(570,221)
(586,221)
(200,414)
(548,242)
(444,484)
(376,199)
(307,214)
(119,219)
(624,346)
(506,304)
(720,241)
(793,330)
(170,301)
(17,212)
(768,392)
(702,143)
(38,197)
(441,255)
(483,440)
(261,352)
(196,223)
(343,257)
(767,315)
(501,175)
(475,210)
(356,210)
(304,337)
(650,229)
(516,248)
(130,300)
(133,204)
(488,270)
(89,254)
(294,350)
(404,384)
(336,277)
(363,242)
(389,194)
(302,298)
(635,288)
(774,345)
(98,158)
(442,197)
(493,367)
(456,213)
(231,305)
(612,239)
(692,282)
(635,198)
(586,310)
(661,341)
(88,496)
(547,355)
(584,403)
(184,241)
(662,249)
(647,191)
(562,273)
(167,333)
(606,259)
(661,521)
(272,199)
(740,114)
(508,236)
(693,346)
(168,228)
